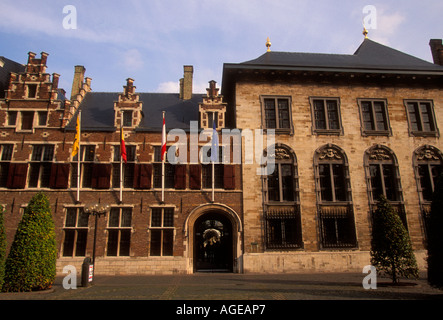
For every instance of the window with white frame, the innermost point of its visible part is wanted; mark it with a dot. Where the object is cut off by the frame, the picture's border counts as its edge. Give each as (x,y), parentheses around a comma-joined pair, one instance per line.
(162,231)
(119,231)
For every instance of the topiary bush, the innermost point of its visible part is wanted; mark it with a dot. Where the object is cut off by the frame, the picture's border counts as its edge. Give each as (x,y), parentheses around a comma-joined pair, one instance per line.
(2,247)
(31,263)
(391,251)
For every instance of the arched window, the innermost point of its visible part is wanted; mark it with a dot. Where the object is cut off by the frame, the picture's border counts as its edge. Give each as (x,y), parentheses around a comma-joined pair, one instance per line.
(334,198)
(383,178)
(281,202)
(428,165)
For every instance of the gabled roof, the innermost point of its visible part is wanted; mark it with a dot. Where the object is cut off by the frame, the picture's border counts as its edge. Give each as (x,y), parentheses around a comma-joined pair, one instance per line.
(5,70)
(369,57)
(98,111)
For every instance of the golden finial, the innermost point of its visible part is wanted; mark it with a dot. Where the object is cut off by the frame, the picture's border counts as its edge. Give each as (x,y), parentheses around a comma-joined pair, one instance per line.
(268,45)
(365,32)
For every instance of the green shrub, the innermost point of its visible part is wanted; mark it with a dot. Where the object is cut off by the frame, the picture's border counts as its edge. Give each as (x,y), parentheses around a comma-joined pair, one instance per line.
(31,263)
(435,238)
(391,251)
(2,247)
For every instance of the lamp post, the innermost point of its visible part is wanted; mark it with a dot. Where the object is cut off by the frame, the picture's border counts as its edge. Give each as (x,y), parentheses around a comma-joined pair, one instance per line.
(96,210)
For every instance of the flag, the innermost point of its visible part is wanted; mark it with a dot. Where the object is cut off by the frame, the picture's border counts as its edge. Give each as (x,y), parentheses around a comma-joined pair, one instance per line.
(76,145)
(122,146)
(163,150)
(214,146)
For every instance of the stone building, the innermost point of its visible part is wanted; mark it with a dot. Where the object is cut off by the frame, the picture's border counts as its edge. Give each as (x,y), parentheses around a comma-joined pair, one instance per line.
(348,128)
(195,226)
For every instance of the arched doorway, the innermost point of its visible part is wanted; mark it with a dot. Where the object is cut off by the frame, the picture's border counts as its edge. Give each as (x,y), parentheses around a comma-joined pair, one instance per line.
(213,243)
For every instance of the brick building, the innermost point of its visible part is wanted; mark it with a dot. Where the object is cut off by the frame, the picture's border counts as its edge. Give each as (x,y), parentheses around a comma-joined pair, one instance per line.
(347,129)
(142,233)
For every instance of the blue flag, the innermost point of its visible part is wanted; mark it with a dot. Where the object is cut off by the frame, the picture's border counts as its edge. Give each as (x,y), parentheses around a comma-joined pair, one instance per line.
(214,146)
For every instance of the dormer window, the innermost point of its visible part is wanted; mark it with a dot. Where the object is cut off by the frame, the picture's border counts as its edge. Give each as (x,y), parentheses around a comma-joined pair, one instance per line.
(127,118)
(32,91)
(212,116)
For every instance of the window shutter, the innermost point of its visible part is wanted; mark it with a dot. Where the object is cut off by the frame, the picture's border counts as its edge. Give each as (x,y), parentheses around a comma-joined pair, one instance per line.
(101,175)
(142,176)
(180,177)
(59,176)
(17,176)
(195,172)
(229,177)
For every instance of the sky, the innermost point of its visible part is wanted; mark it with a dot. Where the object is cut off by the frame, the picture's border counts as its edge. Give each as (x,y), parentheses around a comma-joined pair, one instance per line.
(150,41)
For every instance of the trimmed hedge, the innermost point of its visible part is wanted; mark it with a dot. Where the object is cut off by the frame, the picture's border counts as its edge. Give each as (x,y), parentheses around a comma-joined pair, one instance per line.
(31,263)
(391,251)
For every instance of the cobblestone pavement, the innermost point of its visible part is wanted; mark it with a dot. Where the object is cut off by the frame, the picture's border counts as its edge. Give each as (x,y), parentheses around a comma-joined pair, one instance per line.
(238,287)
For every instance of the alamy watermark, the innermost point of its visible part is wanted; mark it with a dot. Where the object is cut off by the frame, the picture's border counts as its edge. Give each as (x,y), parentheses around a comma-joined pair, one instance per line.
(370,281)
(70,20)
(370,19)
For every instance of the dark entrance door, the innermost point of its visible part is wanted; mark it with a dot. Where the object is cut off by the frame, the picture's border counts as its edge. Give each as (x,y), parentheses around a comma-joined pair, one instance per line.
(213,243)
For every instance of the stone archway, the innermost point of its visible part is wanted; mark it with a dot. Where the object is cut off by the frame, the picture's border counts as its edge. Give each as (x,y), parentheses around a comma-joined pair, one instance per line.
(213,234)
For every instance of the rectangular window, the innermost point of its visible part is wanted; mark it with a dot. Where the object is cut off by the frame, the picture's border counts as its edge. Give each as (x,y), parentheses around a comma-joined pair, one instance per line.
(421,118)
(337,227)
(428,175)
(326,115)
(32,90)
(76,232)
(42,118)
(283,229)
(374,117)
(162,231)
(127,118)
(87,157)
(128,167)
(27,120)
(280,183)
(169,170)
(383,181)
(119,231)
(40,166)
(277,113)
(5,160)
(12,118)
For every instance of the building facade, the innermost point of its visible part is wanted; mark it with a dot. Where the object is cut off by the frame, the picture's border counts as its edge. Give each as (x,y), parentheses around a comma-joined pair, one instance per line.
(194,226)
(348,128)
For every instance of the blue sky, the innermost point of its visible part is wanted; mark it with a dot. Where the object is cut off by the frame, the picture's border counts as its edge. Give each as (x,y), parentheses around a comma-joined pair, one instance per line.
(151,40)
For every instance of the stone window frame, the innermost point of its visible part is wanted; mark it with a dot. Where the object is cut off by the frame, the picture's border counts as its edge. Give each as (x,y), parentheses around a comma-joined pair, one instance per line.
(327,131)
(75,228)
(277,129)
(422,133)
(6,154)
(426,155)
(35,124)
(341,212)
(119,228)
(281,215)
(383,155)
(128,168)
(164,230)
(43,164)
(375,132)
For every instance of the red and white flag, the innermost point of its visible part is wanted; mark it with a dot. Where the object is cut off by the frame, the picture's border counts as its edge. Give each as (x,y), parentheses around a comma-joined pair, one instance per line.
(163,151)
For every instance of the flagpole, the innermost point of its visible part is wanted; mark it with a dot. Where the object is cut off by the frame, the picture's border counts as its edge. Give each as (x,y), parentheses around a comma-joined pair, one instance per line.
(79,154)
(163,157)
(121,165)
(213,178)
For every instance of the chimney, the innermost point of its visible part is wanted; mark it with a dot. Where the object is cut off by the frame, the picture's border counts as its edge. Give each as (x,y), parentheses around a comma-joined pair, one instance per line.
(187,82)
(77,83)
(437,50)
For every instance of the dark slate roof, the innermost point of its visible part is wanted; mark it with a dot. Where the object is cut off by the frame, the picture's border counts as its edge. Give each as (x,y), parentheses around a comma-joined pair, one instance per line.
(369,57)
(98,111)
(8,67)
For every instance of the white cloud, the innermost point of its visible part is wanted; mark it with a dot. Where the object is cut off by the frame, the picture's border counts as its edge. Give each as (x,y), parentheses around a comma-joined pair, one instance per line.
(168,87)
